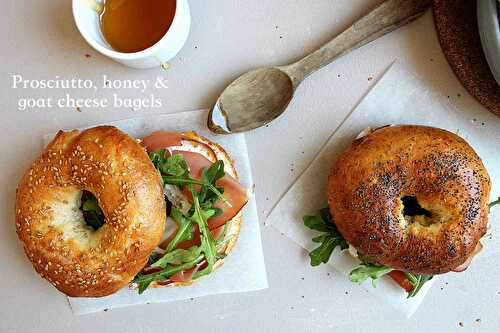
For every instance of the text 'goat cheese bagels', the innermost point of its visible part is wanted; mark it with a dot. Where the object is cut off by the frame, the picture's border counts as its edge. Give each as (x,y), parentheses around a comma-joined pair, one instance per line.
(75,258)
(412,198)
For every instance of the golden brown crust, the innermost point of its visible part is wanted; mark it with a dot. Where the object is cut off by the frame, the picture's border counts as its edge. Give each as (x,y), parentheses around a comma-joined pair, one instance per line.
(233,231)
(437,167)
(115,168)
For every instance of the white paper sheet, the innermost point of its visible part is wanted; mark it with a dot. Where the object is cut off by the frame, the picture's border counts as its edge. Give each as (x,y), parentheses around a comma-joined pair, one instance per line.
(398,98)
(243,270)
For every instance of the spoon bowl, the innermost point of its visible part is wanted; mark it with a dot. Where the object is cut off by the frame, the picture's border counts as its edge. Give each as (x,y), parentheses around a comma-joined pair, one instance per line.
(255,98)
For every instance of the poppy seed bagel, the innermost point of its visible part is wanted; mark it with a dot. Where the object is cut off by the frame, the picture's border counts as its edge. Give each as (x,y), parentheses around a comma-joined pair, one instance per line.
(412,198)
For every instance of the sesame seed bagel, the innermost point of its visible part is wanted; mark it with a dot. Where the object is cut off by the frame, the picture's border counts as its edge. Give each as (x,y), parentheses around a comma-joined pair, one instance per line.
(412,198)
(76,259)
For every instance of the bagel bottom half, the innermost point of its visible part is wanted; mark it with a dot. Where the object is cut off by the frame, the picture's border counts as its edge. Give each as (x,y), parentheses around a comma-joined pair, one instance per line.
(212,151)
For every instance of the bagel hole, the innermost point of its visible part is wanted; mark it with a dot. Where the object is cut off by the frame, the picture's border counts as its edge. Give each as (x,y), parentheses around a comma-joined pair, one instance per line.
(411,207)
(92,212)
(414,212)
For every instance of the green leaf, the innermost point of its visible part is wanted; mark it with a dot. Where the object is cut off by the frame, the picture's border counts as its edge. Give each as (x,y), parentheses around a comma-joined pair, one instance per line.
(184,230)
(329,239)
(91,205)
(174,165)
(211,176)
(180,181)
(322,253)
(177,257)
(207,242)
(417,281)
(315,223)
(92,213)
(368,270)
(175,171)
(144,280)
(494,203)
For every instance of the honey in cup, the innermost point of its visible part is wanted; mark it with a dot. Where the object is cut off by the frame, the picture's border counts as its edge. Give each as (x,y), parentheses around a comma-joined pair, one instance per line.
(134,25)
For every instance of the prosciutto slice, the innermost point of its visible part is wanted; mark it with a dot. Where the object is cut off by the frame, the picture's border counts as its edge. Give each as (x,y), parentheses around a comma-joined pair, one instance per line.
(233,191)
(159,140)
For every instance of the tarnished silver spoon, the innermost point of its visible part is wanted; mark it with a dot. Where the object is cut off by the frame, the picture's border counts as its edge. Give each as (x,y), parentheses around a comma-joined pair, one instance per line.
(261,95)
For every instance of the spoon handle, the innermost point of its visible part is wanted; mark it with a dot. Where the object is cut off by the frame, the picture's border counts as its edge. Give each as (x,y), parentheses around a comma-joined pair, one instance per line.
(387,17)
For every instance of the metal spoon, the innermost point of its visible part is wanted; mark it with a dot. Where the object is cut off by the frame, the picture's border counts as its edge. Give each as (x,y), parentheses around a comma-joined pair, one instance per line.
(261,95)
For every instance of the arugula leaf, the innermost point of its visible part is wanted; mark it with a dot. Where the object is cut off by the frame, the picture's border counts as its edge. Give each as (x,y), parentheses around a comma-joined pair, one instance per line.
(368,270)
(92,213)
(211,176)
(184,181)
(184,230)
(329,239)
(177,257)
(175,171)
(417,281)
(207,241)
(494,203)
(174,165)
(144,280)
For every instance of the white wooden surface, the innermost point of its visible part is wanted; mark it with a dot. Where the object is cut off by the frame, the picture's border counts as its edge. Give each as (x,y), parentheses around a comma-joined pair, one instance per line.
(39,40)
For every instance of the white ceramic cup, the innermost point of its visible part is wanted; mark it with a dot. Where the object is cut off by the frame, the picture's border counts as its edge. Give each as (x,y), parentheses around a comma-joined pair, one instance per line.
(88,22)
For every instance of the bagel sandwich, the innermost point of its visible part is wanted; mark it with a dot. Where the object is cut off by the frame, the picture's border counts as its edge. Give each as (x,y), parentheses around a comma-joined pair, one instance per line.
(407,201)
(99,210)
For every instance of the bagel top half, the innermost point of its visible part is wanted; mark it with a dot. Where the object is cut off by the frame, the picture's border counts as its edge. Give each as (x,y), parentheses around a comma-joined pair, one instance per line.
(76,259)
(412,198)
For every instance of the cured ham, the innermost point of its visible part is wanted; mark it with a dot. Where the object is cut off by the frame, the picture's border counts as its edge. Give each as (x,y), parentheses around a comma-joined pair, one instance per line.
(233,191)
(159,140)
(400,278)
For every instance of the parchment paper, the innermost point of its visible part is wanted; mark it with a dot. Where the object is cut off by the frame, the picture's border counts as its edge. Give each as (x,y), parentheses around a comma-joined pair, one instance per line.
(398,98)
(243,268)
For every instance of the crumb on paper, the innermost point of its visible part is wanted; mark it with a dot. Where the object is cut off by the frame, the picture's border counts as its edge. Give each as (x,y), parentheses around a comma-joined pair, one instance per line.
(165,66)
(78,109)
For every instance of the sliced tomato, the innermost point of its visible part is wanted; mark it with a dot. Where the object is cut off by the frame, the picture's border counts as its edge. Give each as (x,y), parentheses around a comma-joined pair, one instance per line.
(401,279)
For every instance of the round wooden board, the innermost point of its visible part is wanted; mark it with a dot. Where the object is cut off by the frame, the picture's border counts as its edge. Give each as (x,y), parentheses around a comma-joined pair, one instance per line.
(456,24)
